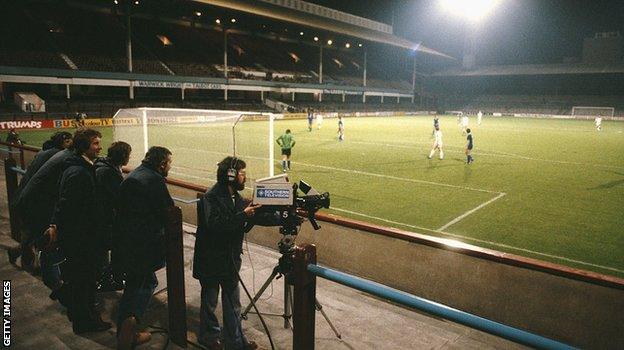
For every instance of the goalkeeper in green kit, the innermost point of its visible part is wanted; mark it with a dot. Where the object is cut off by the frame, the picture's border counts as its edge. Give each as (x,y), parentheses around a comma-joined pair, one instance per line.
(286,142)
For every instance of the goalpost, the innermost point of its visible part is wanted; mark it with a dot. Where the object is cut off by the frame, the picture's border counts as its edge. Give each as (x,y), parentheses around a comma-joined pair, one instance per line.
(592,112)
(199,139)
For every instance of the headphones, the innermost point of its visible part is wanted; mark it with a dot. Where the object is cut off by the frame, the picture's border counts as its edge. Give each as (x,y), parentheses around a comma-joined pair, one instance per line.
(231,172)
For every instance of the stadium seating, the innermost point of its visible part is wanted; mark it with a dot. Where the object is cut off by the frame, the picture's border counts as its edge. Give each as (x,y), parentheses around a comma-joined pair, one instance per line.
(532,104)
(67,36)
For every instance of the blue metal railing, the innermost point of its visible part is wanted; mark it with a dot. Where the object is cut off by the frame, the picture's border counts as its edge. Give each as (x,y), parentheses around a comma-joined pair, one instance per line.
(433,308)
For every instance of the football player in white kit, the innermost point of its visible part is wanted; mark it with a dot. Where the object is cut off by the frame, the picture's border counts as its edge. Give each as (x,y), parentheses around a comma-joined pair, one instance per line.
(464,124)
(598,122)
(437,143)
(479,116)
(319,121)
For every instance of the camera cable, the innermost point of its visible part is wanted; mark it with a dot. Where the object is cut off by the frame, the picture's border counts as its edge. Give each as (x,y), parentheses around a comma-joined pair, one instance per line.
(264,325)
(253,273)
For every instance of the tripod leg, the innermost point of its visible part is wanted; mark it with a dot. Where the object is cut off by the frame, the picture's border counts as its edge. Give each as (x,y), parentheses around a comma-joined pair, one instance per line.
(287,304)
(319,307)
(266,284)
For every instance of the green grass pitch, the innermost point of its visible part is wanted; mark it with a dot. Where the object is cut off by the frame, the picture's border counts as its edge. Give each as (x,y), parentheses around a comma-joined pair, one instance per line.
(543,188)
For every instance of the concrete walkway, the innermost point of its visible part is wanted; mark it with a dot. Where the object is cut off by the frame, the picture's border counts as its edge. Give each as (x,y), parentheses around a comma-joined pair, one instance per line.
(365,322)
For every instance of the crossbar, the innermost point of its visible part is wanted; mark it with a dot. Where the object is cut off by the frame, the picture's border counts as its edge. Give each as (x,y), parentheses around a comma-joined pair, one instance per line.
(436,309)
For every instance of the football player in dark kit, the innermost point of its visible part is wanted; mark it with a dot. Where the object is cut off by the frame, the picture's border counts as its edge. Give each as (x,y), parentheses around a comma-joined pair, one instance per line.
(310,118)
(469,146)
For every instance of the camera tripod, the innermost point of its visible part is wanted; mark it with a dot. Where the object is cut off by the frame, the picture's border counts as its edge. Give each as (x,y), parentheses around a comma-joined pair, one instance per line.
(281,270)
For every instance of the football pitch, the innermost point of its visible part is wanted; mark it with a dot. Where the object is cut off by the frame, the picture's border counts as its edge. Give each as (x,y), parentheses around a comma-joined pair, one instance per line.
(542,188)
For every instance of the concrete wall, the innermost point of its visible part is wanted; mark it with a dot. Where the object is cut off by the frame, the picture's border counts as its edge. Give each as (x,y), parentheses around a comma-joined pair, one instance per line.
(579,313)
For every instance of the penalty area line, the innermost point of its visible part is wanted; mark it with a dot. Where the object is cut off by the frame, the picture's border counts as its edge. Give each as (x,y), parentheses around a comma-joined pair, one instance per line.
(469,212)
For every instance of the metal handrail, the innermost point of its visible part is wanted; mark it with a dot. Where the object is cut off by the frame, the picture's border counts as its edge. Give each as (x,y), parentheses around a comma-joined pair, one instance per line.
(8,150)
(437,309)
(185,201)
(18,170)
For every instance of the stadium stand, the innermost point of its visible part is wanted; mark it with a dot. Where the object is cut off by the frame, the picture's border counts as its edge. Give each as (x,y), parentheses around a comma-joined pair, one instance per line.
(71,37)
(26,46)
(537,104)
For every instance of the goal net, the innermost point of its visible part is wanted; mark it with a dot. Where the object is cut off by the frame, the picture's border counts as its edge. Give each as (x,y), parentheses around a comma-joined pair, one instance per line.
(592,112)
(199,139)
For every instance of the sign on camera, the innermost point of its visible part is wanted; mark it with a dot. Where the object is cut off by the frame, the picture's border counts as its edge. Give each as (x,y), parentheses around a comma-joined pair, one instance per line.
(272,193)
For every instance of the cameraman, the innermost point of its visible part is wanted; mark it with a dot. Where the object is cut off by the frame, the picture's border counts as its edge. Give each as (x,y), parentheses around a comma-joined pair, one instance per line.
(222,215)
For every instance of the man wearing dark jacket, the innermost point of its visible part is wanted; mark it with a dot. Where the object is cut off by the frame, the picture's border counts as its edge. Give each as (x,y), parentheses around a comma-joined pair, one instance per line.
(39,195)
(108,180)
(217,259)
(59,141)
(74,226)
(143,199)
(36,202)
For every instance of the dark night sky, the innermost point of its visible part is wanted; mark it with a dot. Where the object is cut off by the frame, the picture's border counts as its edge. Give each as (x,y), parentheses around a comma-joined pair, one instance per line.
(516,32)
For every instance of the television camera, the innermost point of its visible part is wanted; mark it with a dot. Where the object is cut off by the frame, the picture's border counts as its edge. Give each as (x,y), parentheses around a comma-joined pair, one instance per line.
(279,197)
(283,207)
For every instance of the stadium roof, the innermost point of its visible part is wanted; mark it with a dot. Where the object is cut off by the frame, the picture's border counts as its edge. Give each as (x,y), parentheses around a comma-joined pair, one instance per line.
(288,14)
(533,69)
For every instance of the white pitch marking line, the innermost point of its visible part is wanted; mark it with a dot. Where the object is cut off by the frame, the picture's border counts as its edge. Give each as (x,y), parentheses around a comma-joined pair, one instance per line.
(480,240)
(464,215)
(380,219)
(351,171)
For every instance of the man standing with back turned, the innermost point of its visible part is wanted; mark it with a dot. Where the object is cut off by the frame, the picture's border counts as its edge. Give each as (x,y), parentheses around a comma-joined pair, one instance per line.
(286,142)
(143,200)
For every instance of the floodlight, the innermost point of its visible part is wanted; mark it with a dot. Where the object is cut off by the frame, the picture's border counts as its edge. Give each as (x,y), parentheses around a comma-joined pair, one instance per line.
(136,2)
(360,45)
(300,33)
(316,38)
(116,2)
(217,21)
(473,10)
(347,45)
(233,20)
(198,14)
(329,42)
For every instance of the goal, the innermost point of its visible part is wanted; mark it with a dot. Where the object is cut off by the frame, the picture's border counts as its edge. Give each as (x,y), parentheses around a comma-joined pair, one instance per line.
(581,112)
(199,139)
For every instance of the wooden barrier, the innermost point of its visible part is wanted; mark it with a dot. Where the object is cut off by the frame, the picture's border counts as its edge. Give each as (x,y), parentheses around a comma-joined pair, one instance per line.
(176,302)
(11,185)
(304,298)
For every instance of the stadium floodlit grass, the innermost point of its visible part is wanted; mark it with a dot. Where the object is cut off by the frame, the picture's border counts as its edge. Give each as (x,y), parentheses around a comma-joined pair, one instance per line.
(542,188)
